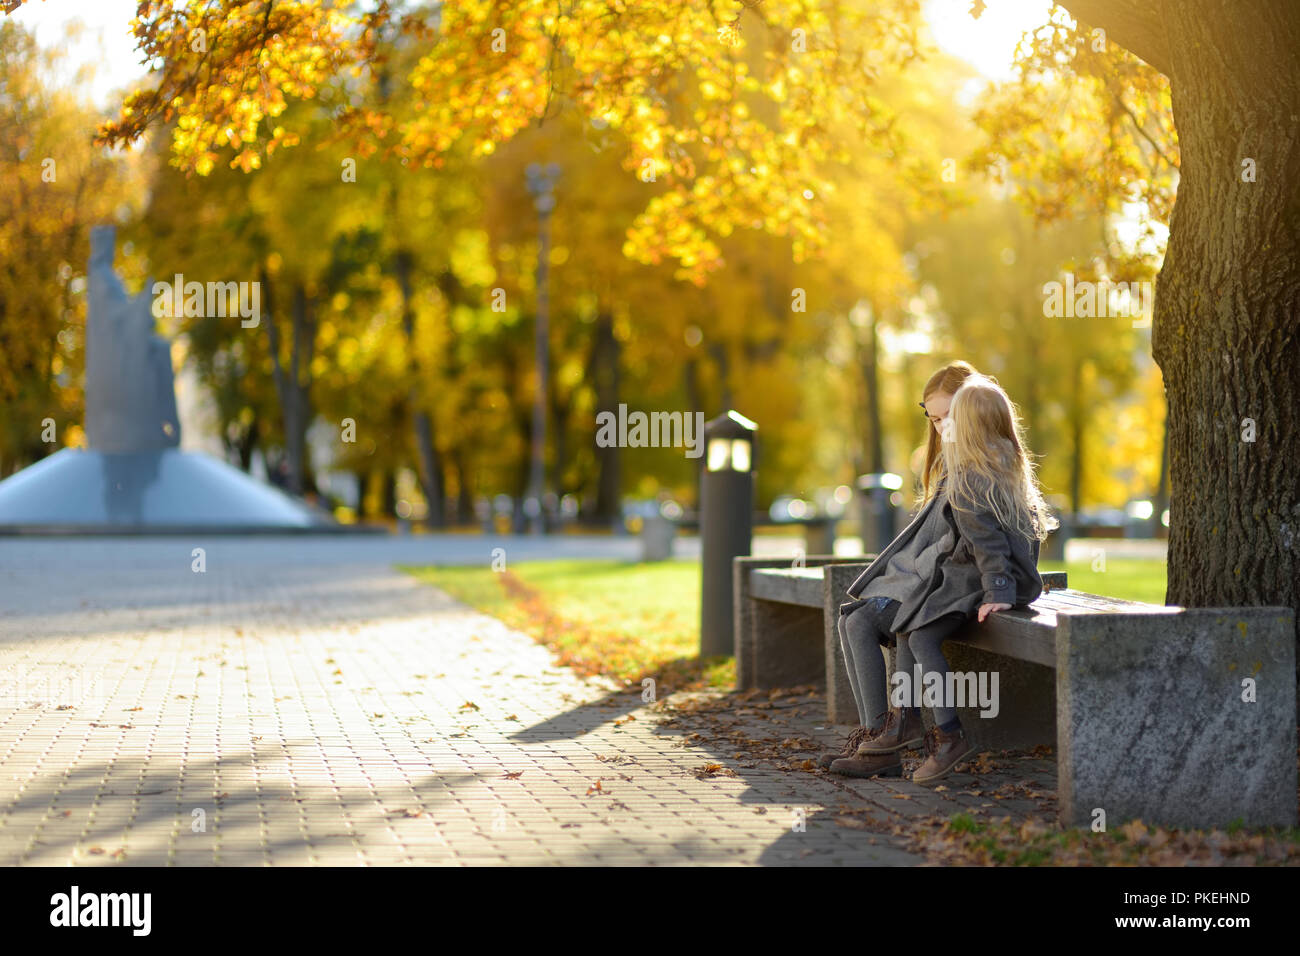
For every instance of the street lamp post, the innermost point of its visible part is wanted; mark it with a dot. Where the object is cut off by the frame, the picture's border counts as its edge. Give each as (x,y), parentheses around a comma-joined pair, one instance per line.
(541,184)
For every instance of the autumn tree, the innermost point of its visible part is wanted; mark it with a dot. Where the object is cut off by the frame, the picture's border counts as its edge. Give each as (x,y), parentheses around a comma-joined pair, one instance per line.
(1228,293)
(740,110)
(53,186)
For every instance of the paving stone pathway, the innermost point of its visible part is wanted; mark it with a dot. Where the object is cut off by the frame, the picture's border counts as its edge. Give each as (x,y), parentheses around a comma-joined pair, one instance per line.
(295,703)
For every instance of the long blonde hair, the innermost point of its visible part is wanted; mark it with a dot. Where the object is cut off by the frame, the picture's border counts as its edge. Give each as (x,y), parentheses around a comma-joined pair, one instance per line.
(946,381)
(984,452)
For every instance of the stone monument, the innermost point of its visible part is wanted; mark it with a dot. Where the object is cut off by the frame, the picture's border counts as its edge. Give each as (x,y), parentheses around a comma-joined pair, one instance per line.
(133,477)
(130,394)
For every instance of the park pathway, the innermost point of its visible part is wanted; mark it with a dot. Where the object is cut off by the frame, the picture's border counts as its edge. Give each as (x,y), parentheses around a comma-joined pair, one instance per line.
(302,702)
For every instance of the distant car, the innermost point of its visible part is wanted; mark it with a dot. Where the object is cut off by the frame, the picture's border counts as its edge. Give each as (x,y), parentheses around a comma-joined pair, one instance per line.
(636,510)
(639,508)
(1101,517)
(789,508)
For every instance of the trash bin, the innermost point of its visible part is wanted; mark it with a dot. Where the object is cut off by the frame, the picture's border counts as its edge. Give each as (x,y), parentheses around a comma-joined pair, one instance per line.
(1053,547)
(657,534)
(819,536)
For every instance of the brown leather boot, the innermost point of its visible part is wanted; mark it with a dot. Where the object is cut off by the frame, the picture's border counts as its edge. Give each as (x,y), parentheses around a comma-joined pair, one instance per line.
(856,736)
(869,765)
(943,751)
(903,729)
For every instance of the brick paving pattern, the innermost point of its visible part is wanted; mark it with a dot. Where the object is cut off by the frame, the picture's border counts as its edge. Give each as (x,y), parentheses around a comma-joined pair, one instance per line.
(301,702)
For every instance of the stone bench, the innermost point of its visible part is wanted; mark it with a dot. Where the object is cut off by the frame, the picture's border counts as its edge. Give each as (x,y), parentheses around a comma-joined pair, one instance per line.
(1143,702)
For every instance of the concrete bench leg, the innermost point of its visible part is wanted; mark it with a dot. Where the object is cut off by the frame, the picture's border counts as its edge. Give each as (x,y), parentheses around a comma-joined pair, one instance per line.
(746,625)
(788,652)
(1026,716)
(840,706)
(1152,725)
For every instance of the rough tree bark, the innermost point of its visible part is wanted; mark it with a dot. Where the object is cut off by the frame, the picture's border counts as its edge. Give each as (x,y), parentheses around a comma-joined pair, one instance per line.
(1228,296)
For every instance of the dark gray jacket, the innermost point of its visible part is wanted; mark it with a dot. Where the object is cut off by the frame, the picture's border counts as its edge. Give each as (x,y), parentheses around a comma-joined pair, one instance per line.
(985,565)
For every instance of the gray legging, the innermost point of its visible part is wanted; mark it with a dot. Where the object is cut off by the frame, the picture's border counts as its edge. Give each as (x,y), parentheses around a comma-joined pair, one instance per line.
(861,630)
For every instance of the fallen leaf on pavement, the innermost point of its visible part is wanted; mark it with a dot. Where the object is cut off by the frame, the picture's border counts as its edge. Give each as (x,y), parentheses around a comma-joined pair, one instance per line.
(712,770)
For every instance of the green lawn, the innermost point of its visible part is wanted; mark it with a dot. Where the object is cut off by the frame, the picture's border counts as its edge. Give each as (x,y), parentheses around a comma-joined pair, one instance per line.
(1133,579)
(621,619)
(628,620)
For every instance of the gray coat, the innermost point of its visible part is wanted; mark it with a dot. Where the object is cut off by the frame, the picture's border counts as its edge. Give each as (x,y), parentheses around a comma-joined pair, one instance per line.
(984,565)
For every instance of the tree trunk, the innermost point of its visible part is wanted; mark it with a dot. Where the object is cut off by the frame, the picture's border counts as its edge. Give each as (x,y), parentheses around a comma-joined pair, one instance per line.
(871,382)
(293,383)
(430,470)
(300,348)
(1078,411)
(389,497)
(245,445)
(1161,497)
(561,409)
(718,352)
(464,496)
(521,415)
(1224,331)
(605,375)
(696,404)
(1030,329)
(1228,296)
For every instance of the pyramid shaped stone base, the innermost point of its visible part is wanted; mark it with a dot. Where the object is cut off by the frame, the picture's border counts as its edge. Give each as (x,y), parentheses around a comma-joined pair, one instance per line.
(77,491)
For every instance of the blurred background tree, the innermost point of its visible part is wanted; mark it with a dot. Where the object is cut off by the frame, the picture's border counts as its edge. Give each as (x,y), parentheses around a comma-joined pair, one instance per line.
(769,206)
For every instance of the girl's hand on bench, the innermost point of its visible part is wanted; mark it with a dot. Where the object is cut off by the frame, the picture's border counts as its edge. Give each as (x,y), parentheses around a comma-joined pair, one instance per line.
(987,609)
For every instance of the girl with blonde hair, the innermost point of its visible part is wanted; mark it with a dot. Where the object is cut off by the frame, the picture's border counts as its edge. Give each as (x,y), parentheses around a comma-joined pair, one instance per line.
(972,550)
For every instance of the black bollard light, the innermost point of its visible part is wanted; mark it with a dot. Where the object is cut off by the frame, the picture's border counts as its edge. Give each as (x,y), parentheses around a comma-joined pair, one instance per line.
(726,523)
(879,514)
